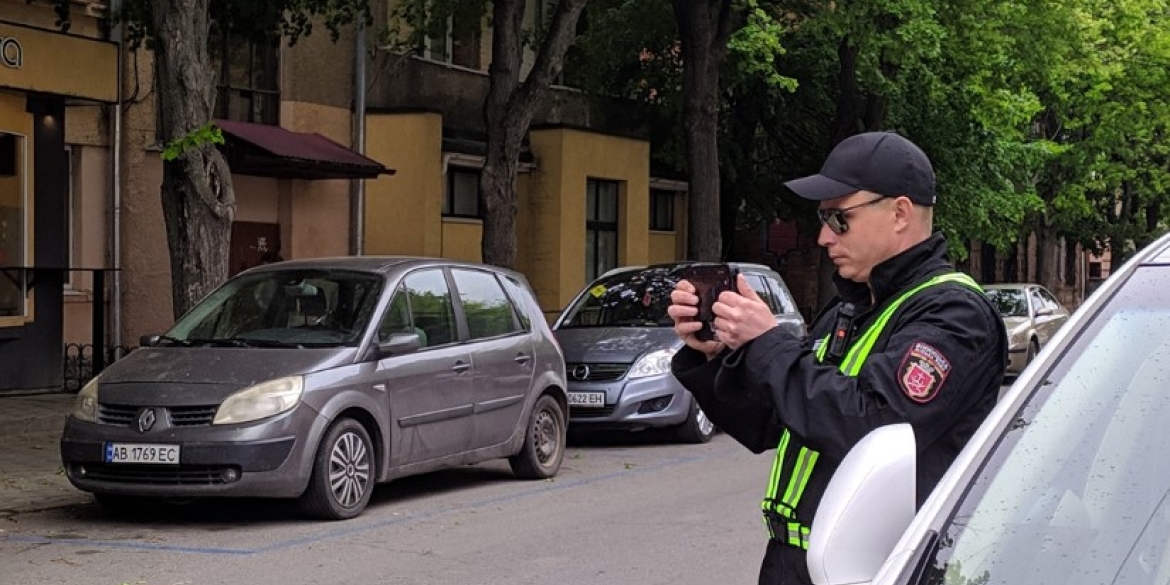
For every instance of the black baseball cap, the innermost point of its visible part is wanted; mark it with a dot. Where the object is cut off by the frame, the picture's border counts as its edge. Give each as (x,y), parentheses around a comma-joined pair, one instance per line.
(881,162)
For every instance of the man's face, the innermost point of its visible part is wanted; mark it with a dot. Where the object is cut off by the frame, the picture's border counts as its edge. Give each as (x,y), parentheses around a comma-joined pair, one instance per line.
(868,236)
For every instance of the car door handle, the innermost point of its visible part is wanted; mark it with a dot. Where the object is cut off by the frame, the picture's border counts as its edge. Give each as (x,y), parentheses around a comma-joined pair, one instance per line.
(523,359)
(460,367)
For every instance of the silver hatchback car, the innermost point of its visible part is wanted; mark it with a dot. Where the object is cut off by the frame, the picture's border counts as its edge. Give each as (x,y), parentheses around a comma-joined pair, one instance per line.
(316,379)
(618,342)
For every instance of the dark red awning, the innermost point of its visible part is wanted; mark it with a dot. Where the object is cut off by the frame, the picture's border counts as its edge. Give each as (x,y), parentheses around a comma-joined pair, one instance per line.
(271,151)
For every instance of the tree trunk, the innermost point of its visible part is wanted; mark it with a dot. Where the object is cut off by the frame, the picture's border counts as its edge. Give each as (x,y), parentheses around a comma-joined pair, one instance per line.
(704,28)
(737,175)
(197,197)
(508,113)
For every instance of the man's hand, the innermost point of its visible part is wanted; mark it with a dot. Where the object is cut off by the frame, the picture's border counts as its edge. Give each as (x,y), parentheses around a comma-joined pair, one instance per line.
(740,317)
(683,309)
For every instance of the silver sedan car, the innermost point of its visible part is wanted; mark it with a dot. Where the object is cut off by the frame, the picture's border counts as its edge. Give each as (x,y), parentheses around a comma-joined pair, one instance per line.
(1031,314)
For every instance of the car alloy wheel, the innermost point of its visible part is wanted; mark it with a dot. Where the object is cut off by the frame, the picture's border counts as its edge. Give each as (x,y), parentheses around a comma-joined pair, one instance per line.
(697,428)
(349,469)
(344,473)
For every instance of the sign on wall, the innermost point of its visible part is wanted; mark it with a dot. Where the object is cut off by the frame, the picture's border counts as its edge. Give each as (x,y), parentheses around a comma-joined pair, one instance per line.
(51,62)
(11,53)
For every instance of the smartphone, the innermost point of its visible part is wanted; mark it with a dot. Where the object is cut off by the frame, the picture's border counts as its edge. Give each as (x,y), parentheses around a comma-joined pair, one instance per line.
(710,280)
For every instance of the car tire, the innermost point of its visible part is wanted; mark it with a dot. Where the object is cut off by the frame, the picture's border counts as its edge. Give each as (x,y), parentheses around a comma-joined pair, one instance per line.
(1033,349)
(698,428)
(545,436)
(344,473)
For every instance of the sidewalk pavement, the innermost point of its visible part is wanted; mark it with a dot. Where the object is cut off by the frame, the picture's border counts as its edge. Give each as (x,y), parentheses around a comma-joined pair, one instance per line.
(31,477)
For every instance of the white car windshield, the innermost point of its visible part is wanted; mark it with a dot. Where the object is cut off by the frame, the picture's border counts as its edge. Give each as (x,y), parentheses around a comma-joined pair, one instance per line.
(282,308)
(1075,493)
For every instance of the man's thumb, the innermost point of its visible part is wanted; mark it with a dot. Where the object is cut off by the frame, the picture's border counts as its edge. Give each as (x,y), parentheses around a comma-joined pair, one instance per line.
(746,290)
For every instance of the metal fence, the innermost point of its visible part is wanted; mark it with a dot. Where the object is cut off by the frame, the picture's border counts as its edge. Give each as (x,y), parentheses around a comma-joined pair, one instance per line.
(79,363)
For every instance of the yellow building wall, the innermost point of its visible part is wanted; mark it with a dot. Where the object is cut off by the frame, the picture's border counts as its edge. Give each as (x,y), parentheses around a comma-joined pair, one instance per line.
(552,212)
(462,239)
(403,213)
(662,247)
(317,221)
(668,246)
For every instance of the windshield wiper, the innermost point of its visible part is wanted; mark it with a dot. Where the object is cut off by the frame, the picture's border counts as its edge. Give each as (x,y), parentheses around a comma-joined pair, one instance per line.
(174,341)
(242,342)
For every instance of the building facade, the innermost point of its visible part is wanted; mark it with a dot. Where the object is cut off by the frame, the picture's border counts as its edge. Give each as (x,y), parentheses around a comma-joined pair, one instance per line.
(56,96)
(327,159)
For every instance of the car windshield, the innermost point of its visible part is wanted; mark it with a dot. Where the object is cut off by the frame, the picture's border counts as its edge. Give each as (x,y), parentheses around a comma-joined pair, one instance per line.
(637,298)
(1011,302)
(1076,490)
(282,308)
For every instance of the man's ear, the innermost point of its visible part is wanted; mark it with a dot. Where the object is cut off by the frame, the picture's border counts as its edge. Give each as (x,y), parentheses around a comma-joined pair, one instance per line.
(904,213)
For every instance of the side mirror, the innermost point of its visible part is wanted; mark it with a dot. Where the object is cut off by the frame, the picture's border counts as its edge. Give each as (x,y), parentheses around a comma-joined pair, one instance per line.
(867,506)
(149,340)
(1044,312)
(398,344)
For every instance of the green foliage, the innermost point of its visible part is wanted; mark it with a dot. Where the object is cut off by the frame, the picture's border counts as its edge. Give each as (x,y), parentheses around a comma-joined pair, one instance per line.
(208,133)
(1050,115)
(261,20)
(753,50)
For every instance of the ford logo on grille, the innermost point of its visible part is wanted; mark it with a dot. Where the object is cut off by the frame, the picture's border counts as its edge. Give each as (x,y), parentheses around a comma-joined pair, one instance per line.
(580,372)
(146,419)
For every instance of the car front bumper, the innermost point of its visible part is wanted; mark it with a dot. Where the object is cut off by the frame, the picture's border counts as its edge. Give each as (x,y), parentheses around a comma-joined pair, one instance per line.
(1017,360)
(266,458)
(651,402)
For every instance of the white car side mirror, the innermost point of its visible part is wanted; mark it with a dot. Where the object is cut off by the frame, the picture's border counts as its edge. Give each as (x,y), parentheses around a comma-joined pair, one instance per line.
(868,504)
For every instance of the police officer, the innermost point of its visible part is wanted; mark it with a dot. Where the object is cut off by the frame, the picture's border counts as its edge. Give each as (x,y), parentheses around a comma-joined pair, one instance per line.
(906,339)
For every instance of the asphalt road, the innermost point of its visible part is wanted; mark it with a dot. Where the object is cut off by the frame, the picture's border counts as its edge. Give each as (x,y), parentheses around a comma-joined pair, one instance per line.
(628,509)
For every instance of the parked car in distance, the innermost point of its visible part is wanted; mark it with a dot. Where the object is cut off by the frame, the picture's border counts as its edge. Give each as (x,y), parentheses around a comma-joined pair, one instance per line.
(1063,483)
(618,342)
(1031,314)
(316,379)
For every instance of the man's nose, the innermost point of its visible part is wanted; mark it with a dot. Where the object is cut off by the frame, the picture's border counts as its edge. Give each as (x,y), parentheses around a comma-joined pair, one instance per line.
(826,236)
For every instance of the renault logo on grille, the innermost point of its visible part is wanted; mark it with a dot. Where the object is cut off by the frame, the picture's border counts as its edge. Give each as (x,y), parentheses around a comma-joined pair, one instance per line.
(580,372)
(146,419)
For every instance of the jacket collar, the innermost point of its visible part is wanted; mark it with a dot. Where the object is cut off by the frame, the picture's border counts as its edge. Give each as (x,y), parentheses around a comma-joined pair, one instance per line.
(926,258)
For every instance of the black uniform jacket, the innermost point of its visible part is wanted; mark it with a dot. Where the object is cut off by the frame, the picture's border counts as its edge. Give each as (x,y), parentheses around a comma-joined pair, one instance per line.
(938,365)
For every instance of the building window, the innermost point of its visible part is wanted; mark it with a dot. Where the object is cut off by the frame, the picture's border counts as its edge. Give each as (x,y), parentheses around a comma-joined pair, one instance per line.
(601,227)
(456,39)
(13,229)
(662,210)
(248,82)
(462,196)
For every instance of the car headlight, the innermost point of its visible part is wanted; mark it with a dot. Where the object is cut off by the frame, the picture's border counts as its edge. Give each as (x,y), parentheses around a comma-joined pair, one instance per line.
(652,364)
(1018,338)
(260,401)
(85,407)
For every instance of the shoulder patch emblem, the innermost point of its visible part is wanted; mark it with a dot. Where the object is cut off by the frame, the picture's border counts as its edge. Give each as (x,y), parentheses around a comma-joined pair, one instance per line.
(923,371)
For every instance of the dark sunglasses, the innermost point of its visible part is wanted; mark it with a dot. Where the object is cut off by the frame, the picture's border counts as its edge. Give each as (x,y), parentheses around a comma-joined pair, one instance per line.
(835,217)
